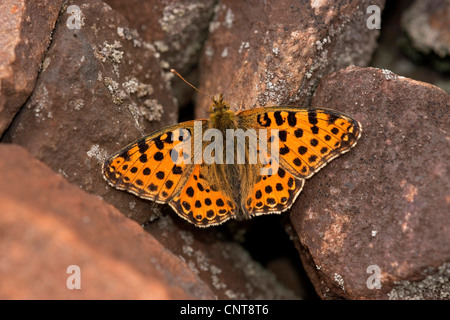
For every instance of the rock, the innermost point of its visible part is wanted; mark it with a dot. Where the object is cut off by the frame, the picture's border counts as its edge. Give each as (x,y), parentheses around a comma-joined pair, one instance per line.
(396,53)
(26,28)
(176,29)
(383,208)
(101,87)
(428,25)
(218,259)
(289,46)
(48,224)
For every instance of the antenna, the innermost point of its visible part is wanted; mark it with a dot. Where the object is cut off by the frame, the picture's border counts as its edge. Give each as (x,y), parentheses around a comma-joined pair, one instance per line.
(238,77)
(175,72)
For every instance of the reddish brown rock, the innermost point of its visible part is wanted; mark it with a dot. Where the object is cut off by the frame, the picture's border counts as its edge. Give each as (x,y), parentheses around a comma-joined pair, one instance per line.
(177,29)
(384,206)
(101,86)
(289,46)
(395,52)
(219,260)
(47,225)
(428,25)
(25,33)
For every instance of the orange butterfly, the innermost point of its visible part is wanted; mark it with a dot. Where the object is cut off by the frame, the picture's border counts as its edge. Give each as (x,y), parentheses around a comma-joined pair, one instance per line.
(162,166)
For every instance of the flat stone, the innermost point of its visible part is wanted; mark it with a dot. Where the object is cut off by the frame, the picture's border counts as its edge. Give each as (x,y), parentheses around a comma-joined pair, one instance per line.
(49,228)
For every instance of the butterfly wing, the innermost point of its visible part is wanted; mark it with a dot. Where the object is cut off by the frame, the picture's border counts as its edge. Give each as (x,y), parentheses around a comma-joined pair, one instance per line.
(202,200)
(307,140)
(156,166)
(149,168)
(272,193)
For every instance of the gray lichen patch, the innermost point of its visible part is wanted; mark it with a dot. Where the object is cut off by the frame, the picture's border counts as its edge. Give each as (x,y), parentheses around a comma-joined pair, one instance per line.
(130,35)
(340,281)
(110,52)
(434,286)
(135,86)
(131,86)
(118,95)
(154,110)
(98,153)
(149,109)
(144,90)
(178,16)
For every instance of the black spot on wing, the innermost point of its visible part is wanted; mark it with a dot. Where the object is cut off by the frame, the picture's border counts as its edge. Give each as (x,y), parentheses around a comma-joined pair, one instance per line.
(125,155)
(190,192)
(298,133)
(159,144)
(302,150)
(142,146)
(292,120)
(284,150)
(158,156)
(264,120)
(312,117)
(169,184)
(282,135)
(332,118)
(278,118)
(143,158)
(177,169)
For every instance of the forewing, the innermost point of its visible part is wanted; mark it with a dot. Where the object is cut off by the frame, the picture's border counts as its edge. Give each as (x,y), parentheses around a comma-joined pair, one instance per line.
(307,138)
(149,168)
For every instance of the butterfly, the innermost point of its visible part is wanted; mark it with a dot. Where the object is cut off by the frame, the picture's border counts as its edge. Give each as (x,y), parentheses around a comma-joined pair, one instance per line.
(260,174)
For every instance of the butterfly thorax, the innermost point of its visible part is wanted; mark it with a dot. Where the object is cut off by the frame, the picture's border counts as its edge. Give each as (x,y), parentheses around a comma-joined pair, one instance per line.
(221,116)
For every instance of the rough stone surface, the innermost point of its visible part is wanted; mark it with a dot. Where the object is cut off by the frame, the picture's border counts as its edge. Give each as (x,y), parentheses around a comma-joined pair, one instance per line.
(177,29)
(289,46)
(386,202)
(219,260)
(396,53)
(100,88)
(428,25)
(436,285)
(25,32)
(47,225)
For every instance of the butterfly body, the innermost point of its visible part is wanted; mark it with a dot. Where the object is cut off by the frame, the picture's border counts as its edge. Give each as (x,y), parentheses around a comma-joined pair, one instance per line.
(246,178)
